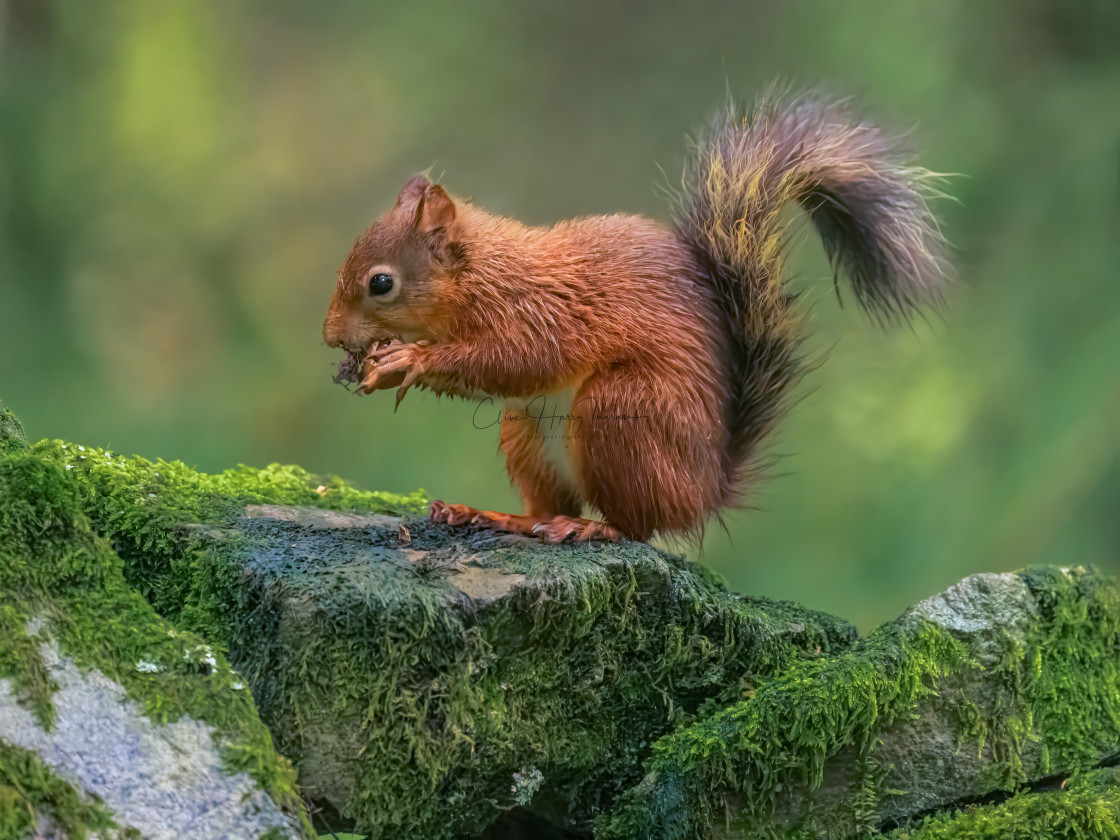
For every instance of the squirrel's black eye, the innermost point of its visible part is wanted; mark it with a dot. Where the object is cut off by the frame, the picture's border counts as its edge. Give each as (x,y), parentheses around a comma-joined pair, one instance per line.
(380,284)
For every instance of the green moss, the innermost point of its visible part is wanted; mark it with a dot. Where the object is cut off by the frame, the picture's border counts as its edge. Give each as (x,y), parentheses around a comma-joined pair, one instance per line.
(150,500)
(1073,651)
(21,662)
(145,508)
(47,549)
(32,797)
(12,438)
(55,568)
(46,543)
(1087,808)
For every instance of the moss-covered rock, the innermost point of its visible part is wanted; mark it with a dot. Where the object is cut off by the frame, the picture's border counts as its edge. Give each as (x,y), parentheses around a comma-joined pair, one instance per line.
(425,681)
(1001,680)
(434,683)
(112,720)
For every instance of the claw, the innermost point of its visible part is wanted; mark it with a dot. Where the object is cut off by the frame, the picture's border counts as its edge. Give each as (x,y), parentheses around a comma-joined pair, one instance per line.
(551,532)
(410,377)
(554,530)
(413,374)
(560,528)
(401,391)
(443,513)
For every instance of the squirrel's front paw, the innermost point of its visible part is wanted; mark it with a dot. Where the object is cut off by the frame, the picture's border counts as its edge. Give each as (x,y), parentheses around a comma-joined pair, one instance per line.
(392,366)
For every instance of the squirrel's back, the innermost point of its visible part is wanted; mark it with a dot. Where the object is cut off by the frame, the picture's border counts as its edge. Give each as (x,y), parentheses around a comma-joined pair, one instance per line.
(606,284)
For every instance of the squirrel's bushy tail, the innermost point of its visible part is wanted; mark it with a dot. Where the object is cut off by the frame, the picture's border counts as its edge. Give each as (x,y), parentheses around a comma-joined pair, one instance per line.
(867,205)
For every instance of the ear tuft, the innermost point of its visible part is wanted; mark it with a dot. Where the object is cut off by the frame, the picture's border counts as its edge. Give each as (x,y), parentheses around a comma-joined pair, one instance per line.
(413,189)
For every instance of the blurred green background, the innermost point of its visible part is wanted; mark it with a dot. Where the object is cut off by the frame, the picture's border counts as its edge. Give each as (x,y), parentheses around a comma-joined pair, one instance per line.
(179,182)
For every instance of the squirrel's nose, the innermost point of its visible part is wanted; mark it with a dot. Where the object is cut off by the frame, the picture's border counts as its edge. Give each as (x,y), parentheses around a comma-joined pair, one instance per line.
(331,333)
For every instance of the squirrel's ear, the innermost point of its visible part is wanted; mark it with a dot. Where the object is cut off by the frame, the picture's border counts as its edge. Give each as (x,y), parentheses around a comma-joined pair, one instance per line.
(413,189)
(436,212)
(434,218)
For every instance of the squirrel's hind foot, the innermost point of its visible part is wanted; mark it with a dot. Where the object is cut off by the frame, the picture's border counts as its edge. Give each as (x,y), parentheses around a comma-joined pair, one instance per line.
(561,528)
(550,529)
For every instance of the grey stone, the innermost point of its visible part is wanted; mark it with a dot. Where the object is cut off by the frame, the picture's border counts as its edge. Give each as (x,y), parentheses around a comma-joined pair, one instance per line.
(313,517)
(167,781)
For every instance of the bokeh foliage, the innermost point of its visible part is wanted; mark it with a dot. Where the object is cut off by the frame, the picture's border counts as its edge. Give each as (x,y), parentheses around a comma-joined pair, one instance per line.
(179,182)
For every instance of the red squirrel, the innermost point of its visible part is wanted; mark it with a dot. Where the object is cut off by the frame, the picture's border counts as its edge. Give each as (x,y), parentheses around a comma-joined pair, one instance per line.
(658,357)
